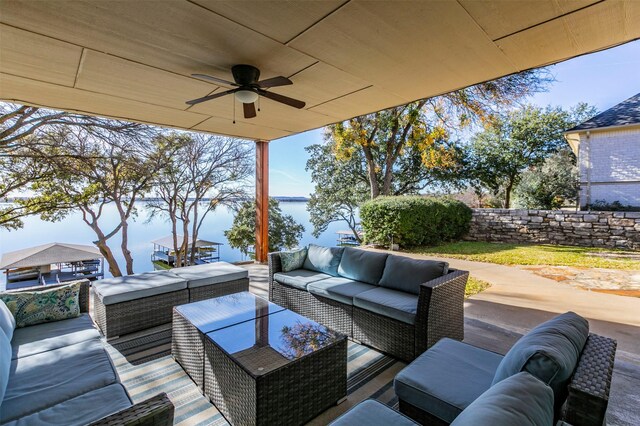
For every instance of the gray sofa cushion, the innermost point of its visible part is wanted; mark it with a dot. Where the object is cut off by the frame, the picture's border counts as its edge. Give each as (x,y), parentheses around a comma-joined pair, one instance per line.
(339,289)
(404,274)
(132,287)
(390,303)
(210,273)
(81,410)
(372,413)
(550,352)
(323,259)
(7,321)
(41,381)
(362,265)
(48,336)
(299,278)
(447,378)
(5,365)
(518,400)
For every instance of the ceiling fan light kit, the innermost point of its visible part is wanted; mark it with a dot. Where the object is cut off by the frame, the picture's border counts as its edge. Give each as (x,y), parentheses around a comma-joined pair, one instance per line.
(248,89)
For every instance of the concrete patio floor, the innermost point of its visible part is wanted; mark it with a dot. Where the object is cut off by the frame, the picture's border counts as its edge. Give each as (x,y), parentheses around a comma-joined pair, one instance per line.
(518,300)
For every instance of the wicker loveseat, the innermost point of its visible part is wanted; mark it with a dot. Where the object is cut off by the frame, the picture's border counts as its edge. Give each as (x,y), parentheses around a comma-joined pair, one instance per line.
(59,373)
(381,300)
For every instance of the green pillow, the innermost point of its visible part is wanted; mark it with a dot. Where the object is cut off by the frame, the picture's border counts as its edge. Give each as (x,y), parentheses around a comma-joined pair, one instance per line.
(35,307)
(292,260)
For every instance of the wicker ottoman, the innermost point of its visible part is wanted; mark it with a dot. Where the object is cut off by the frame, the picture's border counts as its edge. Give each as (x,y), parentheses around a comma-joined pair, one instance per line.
(213,280)
(132,303)
(192,321)
(278,369)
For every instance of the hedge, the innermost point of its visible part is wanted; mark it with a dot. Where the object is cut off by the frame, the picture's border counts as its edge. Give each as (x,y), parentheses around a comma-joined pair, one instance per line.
(413,220)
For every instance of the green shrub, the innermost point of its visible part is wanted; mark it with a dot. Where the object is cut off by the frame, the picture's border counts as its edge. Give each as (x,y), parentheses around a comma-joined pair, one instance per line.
(413,221)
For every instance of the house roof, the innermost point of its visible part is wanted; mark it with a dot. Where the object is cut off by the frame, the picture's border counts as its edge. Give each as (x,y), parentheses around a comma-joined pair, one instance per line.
(133,60)
(48,254)
(624,114)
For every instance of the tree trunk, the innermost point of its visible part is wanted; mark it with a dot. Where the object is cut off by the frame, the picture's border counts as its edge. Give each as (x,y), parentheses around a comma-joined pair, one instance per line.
(194,231)
(125,249)
(507,194)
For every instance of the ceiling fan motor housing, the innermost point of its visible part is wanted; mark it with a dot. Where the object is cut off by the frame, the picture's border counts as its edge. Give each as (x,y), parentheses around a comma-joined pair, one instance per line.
(245,75)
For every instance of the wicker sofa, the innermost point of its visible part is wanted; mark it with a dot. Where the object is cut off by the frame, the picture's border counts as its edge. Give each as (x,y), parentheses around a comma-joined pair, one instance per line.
(375,298)
(60,373)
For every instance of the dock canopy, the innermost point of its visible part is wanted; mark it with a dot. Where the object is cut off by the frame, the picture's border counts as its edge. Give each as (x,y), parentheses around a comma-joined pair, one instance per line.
(48,254)
(168,242)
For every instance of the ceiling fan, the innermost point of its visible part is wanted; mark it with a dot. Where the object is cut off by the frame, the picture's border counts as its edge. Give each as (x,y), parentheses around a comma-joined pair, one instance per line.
(248,89)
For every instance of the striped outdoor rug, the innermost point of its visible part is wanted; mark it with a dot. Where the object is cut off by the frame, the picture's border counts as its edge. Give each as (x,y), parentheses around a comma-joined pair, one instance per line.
(146,368)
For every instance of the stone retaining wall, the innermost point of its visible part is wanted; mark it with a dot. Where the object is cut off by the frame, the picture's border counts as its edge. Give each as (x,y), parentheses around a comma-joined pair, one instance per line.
(584,228)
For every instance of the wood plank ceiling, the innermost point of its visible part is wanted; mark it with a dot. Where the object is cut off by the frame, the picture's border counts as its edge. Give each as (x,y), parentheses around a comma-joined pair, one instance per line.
(133,59)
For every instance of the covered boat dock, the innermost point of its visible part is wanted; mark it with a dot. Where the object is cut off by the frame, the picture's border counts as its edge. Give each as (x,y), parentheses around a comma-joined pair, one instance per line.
(51,264)
(163,250)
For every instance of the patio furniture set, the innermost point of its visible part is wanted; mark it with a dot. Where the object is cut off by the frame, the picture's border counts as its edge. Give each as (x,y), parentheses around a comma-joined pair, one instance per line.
(284,361)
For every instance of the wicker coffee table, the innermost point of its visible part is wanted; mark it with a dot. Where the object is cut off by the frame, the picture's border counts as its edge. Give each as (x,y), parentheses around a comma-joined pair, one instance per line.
(192,321)
(280,368)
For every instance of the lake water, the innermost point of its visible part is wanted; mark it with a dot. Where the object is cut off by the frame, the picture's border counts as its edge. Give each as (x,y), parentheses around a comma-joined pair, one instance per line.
(141,232)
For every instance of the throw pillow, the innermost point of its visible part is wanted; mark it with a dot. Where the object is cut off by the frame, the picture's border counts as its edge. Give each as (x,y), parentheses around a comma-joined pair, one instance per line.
(7,321)
(323,259)
(293,259)
(35,307)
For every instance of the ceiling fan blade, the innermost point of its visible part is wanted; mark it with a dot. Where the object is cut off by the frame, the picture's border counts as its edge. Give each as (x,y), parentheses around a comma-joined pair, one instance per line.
(275,82)
(209,97)
(213,79)
(282,99)
(249,110)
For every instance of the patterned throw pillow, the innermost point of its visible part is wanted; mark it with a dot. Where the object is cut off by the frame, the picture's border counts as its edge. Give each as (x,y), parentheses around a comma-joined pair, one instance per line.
(35,307)
(292,260)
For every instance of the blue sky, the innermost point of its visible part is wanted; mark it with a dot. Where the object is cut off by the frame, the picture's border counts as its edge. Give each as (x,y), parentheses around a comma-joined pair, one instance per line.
(602,79)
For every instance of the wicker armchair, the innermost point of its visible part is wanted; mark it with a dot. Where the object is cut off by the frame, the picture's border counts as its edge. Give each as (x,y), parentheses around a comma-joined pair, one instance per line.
(440,314)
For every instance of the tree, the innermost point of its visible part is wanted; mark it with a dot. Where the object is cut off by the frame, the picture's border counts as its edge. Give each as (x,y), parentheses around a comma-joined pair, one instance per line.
(338,191)
(284,231)
(551,185)
(405,149)
(202,166)
(515,141)
(25,148)
(88,171)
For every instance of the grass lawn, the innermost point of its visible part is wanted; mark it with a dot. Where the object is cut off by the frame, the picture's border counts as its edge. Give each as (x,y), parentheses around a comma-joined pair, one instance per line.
(475,286)
(523,254)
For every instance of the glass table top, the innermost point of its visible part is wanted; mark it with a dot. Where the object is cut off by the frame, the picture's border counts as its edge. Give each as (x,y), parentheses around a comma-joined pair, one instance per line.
(266,343)
(220,312)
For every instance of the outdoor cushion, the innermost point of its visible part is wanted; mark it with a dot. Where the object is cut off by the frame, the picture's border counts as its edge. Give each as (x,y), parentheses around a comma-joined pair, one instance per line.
(372,413)
(518,400)
(390,303)
(210,273)
(550,352)
(361,265)
(5,365)
(44,380)
(404,274)
(7,321)
(293,259)
(81,410)
(52,335)
(35,307)
(132,287)
(448,377)
(339,289)
(299,278)
(323,259)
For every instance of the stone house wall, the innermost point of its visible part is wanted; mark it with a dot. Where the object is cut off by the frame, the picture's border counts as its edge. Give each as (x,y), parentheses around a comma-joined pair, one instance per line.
(583,228)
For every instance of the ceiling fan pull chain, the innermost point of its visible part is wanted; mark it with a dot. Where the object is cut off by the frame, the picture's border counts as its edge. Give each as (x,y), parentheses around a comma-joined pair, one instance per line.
(233,99)
(258,102)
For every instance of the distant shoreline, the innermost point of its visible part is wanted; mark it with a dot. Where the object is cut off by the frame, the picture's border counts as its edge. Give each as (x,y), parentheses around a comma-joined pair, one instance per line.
(282,199)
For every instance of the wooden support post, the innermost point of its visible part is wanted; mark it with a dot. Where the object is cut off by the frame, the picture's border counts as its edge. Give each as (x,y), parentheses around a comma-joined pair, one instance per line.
(262,200)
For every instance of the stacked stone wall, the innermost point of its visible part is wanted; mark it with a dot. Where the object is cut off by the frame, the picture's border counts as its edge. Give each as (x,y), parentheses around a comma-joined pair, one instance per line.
(583,228)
